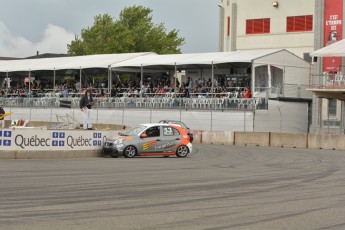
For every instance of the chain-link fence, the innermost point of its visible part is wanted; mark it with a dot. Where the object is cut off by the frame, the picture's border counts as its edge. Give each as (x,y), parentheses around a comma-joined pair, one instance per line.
(279,117)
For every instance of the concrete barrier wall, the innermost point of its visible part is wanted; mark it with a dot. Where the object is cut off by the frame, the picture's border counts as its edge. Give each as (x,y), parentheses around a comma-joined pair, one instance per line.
(197,137)
(49,154)
(326,141)
(43,143)
(289,140)
(223,138)
(252,139)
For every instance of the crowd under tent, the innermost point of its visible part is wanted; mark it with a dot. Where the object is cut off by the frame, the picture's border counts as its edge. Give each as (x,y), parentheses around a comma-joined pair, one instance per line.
(277,72)
(79,65)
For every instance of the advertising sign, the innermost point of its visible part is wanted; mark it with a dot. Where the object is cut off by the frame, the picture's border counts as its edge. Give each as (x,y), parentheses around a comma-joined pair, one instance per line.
(52,140)
(333,31)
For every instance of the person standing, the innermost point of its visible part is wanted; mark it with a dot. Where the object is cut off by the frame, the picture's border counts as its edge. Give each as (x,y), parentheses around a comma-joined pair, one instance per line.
(86,103)
(2,117)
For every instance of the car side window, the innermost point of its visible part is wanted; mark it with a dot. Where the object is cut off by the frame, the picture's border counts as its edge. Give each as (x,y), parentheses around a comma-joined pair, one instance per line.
(153,131)
(170,131)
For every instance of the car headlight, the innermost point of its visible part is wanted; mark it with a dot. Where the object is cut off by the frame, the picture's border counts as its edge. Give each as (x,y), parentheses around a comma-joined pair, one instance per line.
(118,141)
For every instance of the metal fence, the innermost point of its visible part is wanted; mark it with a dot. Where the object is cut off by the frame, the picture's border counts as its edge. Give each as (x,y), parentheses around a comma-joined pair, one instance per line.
(214,120)
(201,103)
(328,81)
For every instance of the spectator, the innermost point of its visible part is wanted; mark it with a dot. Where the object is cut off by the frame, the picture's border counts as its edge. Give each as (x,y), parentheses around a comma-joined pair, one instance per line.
(2,117)
(86,103)
(247,92)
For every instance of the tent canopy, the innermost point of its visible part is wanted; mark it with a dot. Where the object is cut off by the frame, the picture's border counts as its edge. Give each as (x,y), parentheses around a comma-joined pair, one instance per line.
(336,49)
(65,63)
(159,61)
(151,61)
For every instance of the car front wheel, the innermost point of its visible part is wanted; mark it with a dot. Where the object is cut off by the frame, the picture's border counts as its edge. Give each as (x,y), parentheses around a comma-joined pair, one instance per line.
(182,151)
(130,152)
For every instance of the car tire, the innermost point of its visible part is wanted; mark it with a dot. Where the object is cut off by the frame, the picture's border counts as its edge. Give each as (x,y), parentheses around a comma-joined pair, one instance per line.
(130,151)
(182,151)
(114,156)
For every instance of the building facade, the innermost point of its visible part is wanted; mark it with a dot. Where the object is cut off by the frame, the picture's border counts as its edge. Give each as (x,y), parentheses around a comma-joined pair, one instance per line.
(300,27)
(251,24)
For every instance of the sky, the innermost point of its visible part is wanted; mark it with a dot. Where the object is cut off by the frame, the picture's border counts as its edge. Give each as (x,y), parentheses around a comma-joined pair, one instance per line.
(47,26)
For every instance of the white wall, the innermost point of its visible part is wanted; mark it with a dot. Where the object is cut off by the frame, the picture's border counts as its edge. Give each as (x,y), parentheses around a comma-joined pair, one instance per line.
(293,118)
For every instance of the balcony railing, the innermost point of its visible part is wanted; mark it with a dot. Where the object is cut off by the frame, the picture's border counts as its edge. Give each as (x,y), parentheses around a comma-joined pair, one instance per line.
(328,81)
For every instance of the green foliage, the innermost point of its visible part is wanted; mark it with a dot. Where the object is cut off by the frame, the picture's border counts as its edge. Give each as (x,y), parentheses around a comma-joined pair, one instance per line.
(134,31)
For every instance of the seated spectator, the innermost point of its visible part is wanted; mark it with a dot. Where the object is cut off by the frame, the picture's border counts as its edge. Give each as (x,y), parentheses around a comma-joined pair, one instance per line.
(247,92)
(102,94)
(65,93)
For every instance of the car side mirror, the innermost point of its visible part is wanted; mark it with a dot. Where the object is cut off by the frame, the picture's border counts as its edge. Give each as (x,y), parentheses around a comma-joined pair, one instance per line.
(143,135)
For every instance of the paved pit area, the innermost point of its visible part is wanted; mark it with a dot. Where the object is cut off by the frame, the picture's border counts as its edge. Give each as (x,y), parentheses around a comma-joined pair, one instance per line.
(216,187)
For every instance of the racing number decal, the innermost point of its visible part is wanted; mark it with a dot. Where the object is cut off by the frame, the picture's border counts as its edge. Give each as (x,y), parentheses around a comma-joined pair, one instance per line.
(149,145)
(168,131)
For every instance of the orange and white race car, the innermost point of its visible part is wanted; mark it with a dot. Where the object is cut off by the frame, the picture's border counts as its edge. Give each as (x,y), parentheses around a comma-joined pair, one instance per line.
(149,140)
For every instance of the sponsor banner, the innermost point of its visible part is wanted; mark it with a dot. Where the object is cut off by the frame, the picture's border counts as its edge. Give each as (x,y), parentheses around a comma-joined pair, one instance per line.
(333,32)
(52,140)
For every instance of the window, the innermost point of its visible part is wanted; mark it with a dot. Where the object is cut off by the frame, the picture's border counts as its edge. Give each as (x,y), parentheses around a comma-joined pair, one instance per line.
(169,131)
(299,23)
(332,107)
(153,131)
(258,26)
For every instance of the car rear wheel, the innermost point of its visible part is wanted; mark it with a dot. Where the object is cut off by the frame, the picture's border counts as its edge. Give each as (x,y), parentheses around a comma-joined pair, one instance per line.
(182,151)
(130,152)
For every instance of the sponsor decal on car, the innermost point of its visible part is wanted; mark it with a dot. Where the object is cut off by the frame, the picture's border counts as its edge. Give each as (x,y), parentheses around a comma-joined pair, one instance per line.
(149,145)
(166,145)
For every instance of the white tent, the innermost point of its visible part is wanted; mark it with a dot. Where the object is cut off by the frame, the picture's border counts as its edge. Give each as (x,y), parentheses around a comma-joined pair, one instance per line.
(102,61)
(336,49)
(65,63)
(293,74)
(193,59)
(292,69)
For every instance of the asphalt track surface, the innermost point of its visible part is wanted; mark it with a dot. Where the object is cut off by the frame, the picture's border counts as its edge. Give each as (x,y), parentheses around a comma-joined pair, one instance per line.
(216,187)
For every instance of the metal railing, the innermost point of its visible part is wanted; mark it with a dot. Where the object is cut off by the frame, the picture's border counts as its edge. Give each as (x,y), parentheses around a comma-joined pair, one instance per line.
(199,103)
(327,81)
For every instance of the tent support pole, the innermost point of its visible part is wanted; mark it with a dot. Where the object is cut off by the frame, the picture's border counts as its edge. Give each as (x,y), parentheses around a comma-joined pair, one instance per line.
(109,80)
(212,79)
(29,84)
(7,82)
(54,80)
(269,77)
(80,80)
(175,79)
(253,79)
(141,76)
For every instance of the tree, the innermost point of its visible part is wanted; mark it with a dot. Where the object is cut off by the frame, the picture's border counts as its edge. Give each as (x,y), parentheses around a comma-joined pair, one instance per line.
(134,31)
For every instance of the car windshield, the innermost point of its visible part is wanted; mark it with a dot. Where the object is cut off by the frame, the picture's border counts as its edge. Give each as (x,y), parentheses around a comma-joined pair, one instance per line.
(134,131)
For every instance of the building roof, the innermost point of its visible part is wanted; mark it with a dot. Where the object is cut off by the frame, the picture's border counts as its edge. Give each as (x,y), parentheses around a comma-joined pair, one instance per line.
(48,55)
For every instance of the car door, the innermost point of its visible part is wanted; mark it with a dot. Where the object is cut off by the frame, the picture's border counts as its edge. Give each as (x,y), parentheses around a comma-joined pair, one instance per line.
(149,143)
(170,139)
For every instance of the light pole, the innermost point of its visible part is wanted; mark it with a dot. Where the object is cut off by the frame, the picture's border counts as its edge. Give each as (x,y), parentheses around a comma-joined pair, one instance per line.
(221,28)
